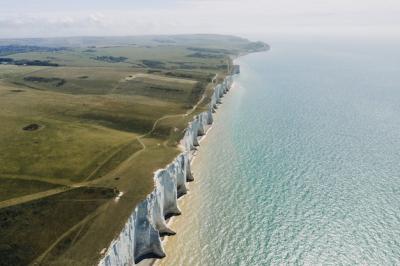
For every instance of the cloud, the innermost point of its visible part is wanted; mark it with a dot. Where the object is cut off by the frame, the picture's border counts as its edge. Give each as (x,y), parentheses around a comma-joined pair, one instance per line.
(205,16)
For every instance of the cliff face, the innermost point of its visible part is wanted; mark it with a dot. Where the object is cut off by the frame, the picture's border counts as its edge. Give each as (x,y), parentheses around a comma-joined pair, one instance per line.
(141,236)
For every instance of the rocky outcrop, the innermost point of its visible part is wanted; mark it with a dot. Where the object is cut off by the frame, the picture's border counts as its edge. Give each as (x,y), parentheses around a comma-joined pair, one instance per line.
(141,236)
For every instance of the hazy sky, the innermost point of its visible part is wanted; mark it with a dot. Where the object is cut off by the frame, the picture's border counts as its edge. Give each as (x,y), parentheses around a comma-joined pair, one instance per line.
(38,18)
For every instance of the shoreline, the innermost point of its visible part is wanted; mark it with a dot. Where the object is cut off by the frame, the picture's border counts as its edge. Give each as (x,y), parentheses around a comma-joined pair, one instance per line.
(140,243)
(170,221)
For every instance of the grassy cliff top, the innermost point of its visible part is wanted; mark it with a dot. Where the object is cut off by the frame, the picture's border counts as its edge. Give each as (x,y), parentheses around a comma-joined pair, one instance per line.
(86,118)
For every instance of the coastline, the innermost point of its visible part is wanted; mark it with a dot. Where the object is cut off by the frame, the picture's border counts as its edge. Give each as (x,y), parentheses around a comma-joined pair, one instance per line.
(170,222)
(178,223)
(140,243)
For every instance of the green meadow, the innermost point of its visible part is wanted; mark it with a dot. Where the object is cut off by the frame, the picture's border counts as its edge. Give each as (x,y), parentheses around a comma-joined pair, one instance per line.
(86,121)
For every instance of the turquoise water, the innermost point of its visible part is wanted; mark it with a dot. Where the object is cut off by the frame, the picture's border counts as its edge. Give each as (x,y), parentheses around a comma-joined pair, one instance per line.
(302,165)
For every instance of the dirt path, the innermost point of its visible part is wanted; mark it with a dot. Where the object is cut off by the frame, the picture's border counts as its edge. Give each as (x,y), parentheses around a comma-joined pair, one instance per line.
(109,157)
(62,182)
(154,77)
(39,259)
(160,78)
(31,197)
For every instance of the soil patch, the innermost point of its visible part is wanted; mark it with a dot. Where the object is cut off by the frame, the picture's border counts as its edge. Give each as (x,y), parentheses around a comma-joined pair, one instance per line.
(31,127)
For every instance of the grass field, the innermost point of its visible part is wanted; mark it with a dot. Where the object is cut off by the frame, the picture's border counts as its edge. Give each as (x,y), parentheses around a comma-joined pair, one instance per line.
(81,123)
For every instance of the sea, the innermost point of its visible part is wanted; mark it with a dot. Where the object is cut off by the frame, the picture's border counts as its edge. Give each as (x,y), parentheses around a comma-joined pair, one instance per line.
(302,164)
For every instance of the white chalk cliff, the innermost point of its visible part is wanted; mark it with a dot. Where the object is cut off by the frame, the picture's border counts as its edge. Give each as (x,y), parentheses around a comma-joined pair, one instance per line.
(141,236)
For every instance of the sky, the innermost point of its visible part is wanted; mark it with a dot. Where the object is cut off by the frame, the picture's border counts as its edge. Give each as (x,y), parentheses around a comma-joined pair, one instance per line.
(53,18)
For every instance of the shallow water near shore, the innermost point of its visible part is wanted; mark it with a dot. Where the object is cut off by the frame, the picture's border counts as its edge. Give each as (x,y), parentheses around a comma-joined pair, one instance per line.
(301,166)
